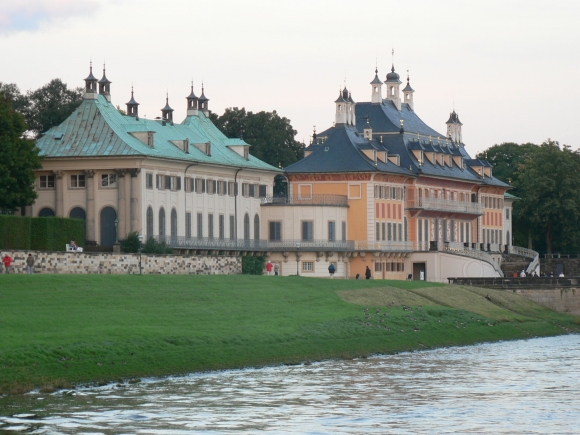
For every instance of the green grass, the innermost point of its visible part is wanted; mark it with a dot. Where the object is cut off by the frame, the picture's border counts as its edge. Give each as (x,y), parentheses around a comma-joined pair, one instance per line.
(60,330)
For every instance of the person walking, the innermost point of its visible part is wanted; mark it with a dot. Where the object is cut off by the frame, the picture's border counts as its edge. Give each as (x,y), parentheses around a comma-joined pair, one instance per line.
(7,260)
(30,263)
(269,267)
(368,273)
(331,270)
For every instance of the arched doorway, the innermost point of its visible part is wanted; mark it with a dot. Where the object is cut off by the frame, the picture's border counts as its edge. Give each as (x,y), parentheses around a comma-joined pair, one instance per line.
(108,230)
(246,227)
(162,221)
(78,213)
(46,212)
(173,223)
(149,222)
(256,227)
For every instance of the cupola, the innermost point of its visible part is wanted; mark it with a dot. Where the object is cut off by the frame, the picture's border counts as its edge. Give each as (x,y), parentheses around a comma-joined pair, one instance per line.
(167,111)
(192,102)
(454,128)
(203,102)
(133,106)
(91,86)
(377,89)
(393,81)
(408,94)
(341,109)
(105,86)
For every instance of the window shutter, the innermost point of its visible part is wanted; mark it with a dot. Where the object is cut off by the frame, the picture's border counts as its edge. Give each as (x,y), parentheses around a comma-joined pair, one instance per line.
(167,181)
(178,183)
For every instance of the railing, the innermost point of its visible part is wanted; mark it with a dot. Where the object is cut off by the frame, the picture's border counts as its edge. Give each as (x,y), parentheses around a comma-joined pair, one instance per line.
(534,266)
(445,205)
(310,245)
(180,242)
(473,253)
(332,200)
(392,246)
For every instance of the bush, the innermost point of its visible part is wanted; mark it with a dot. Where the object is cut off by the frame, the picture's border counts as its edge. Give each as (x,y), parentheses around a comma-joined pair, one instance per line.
(131,243)
(40,233)
(253,265)
(152,246)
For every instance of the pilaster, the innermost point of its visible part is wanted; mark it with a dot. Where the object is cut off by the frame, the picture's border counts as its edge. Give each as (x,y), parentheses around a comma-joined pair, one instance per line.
(90,179)
(135,200)
(121,205)
(59,193)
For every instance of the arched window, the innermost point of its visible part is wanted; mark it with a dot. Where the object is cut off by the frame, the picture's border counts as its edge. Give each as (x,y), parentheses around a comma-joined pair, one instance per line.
(149,222)
(46,212)
(78,213)
(246,227)
(162,221)
(256,227)
(405,224)
(173,223)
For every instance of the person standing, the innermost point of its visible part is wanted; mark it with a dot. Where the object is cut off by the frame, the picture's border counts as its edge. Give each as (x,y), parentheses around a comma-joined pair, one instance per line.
(7,260)
(276,269)
(30,263)
(331,270)
(368,273)
(269,267)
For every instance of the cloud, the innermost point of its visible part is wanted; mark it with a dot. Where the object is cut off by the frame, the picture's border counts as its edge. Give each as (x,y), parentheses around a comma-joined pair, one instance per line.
(30,15)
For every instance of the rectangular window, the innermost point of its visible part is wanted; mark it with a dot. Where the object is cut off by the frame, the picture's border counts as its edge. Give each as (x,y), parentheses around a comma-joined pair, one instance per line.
(210,225)
(222,187)
(222,226)
(199,185)
(307,230)
(108,180)
(263,190)
(230,188)
(245,189)
(384,225)
(210,186)
(308,266)
(188,225)
(46,181)
(149,180)
(199,225)
(252,190)
(77,181)
(232,227)
(507,213)
(275,231)
(400,232)
(389,232)
(343,231)
(160,182)
(378,231)
(331,231)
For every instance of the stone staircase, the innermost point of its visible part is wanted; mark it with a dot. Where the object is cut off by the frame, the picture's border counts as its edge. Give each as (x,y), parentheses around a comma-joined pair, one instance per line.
(511,263)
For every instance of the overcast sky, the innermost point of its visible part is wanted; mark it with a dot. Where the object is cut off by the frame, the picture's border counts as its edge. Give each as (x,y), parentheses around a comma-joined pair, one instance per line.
(509,67)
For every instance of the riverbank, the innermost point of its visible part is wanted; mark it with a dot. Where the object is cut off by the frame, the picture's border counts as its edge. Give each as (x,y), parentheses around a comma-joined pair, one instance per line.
(58,331)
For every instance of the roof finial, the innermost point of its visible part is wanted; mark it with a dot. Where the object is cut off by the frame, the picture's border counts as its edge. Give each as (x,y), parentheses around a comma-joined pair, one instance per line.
(393,59)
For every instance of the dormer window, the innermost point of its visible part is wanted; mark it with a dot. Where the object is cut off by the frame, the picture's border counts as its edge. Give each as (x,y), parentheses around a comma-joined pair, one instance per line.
(151,139)
(246,153)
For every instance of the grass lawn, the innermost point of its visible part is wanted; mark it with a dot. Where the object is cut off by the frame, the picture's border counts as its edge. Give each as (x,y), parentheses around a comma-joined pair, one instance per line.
(58,330)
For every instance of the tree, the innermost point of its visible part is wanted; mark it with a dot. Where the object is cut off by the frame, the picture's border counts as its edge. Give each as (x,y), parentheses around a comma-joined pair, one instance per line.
(18,158)
(549,182)
(12,92)
(50,105)
(271,137)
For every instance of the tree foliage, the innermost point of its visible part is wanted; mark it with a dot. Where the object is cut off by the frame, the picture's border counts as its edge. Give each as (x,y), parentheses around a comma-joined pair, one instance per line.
(546,179)
(18,158)
(271,137)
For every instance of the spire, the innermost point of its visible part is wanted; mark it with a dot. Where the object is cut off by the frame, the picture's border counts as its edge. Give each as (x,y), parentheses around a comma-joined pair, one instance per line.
(91,85)
(132,106)
(192,103)
(393,81)
(454,127)
(167,111)
(105,86)
(376,88)
(203,100)
(408,93)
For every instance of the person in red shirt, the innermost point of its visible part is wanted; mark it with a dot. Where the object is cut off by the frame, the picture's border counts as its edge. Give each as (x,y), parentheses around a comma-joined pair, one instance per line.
(7,262)
(269,267)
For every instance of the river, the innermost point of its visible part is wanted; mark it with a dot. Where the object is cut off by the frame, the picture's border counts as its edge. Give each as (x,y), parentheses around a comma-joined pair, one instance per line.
(517,387)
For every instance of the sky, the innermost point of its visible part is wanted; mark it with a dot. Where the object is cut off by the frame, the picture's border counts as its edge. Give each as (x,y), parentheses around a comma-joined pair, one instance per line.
(508,67)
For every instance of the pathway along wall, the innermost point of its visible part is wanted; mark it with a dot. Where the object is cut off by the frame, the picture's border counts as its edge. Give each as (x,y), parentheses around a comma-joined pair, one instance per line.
(94,263)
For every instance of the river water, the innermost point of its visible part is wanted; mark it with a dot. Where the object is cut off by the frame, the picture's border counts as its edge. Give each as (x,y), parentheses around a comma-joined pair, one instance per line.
(517,387)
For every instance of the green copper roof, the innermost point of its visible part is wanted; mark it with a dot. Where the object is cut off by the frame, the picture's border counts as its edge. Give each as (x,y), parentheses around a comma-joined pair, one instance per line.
(97,129)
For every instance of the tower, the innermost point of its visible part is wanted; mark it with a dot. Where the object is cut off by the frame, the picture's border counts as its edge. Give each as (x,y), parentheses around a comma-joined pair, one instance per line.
(377,89)
(393,82)
(408,93)
(133,106)
(192,102)
(167,111)
(203,102)
(105,86)
(341,109)
(454,128)
(91,86)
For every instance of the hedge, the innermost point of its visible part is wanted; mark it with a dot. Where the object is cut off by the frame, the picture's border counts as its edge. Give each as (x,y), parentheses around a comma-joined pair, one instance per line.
(40,233)
(253,265)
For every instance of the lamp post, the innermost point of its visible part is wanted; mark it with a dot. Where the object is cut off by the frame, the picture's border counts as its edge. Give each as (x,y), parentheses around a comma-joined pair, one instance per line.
(116,234)
(297,258)
(140,249)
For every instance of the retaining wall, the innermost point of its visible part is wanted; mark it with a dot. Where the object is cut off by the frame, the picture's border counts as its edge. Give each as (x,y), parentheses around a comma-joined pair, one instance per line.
(94,263)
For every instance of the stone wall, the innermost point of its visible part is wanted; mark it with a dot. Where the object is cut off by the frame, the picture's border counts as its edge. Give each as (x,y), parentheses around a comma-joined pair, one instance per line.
(93,263)
(570,266)
(564,300)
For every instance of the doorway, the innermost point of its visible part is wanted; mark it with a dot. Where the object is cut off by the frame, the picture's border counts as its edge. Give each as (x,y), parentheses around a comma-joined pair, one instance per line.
(419,272)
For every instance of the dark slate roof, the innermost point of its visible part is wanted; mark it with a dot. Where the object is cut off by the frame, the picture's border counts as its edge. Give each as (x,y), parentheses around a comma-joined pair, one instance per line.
(132,100)
(376,80)
(202,96)
(192,96)
(393,76)
(342,152)
(385,118)
(408,88)
(97,129)
(104,79)
(453,119)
